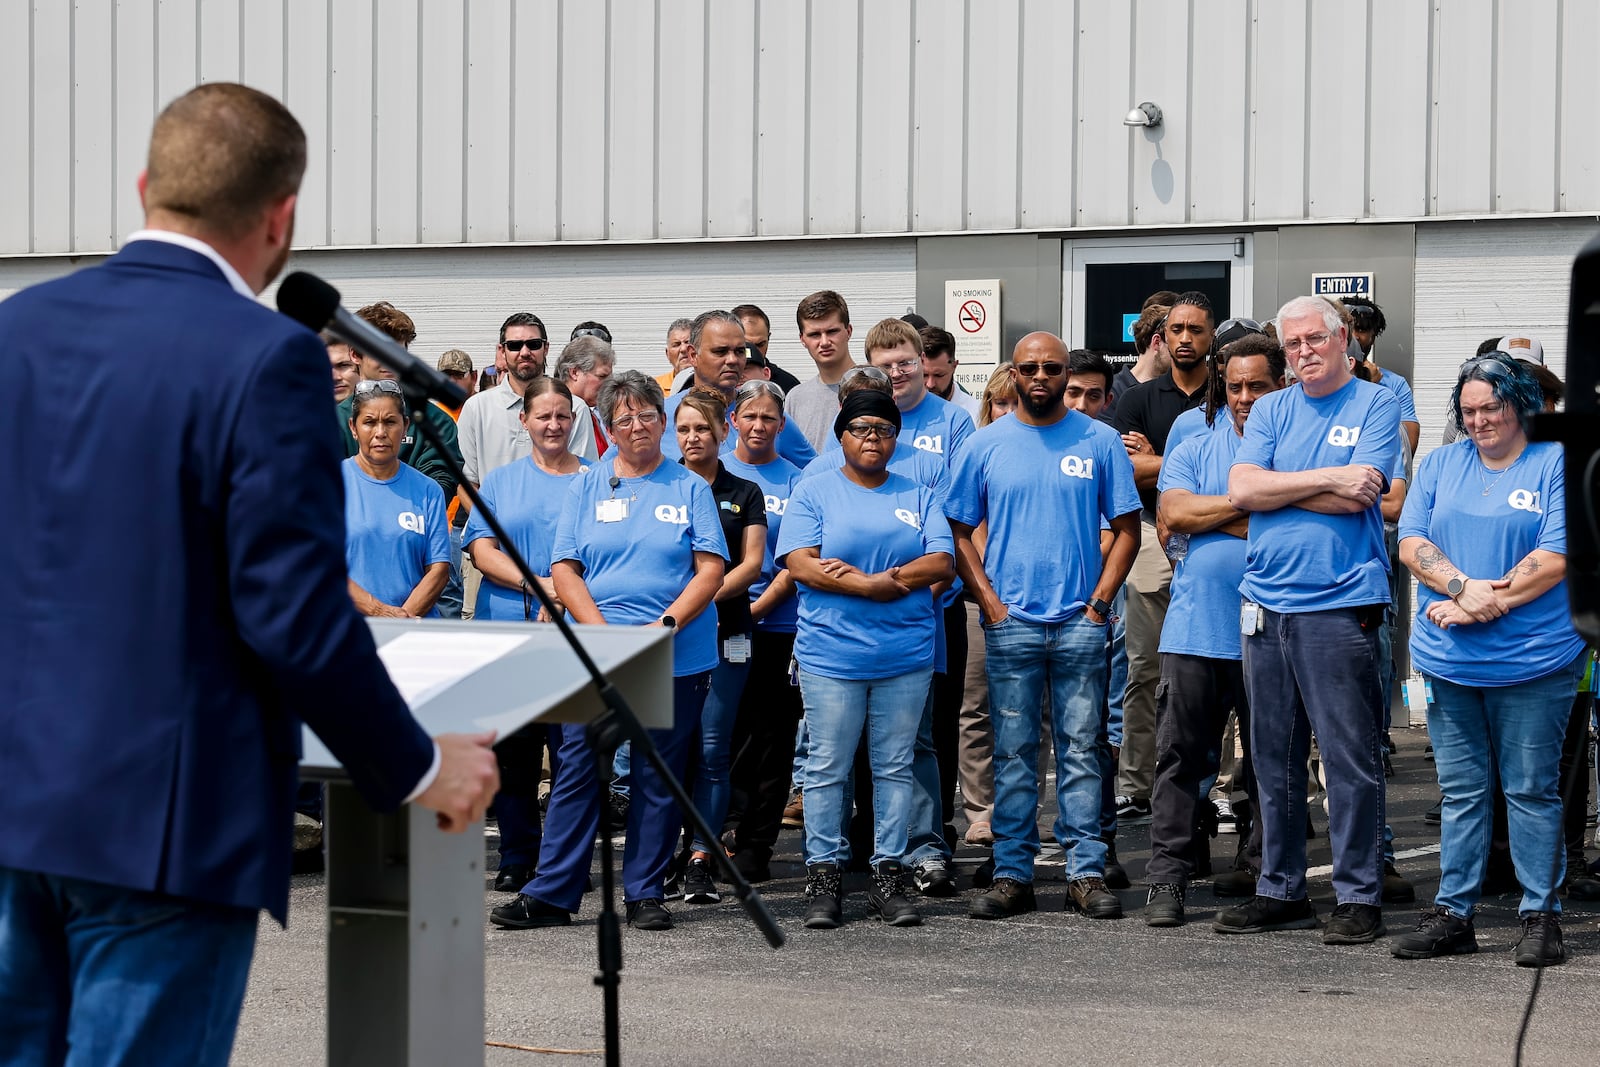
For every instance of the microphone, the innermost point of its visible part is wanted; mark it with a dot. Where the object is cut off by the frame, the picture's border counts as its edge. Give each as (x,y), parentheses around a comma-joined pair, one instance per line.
(314,304)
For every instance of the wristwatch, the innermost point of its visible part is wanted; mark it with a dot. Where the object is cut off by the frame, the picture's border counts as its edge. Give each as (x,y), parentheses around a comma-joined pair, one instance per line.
(1101,608)
(669,622)
(1455,586)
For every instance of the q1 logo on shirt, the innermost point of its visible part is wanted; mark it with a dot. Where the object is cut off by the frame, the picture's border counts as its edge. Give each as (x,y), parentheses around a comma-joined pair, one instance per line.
(1077,467)
(1525,500)
(929,443)
(776,504)
(678,516)
(410,520)
(1344,436)
(908,517)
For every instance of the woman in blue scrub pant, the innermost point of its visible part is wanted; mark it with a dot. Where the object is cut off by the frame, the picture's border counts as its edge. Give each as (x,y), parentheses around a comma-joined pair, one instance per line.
(865,546)
(1484,532)
(701,425)
(526,496)
(397,538)
(638,544)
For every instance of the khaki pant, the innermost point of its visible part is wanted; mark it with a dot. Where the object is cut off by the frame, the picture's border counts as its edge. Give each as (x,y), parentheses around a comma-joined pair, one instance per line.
(976,738)
(1149,593)
(471,579)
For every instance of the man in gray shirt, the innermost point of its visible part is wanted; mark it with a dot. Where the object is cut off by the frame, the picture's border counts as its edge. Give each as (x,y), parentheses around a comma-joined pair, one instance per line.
(824,321)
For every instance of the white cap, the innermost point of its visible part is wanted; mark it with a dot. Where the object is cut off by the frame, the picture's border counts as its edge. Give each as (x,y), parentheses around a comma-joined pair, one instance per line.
(1527,348)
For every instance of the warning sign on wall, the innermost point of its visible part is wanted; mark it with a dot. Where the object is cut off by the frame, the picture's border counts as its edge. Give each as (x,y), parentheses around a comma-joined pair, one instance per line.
(972,315)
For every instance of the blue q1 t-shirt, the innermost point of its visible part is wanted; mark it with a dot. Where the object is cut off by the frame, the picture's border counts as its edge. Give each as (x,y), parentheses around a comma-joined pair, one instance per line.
(528,503)
(1189,423)
(1485,534)
(852,637)
(792,443)
(935,426)
(394,531)
(1402,393)
(1203,618)
(776,480)
(1044,491)
(1303,560)
(637,565)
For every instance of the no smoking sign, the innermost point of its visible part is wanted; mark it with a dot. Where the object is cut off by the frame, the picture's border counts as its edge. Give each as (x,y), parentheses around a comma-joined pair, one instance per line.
(972,316)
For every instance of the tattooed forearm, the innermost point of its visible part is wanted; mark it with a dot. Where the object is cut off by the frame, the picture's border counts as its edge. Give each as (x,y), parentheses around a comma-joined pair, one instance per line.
(1429,557)
(1529,566)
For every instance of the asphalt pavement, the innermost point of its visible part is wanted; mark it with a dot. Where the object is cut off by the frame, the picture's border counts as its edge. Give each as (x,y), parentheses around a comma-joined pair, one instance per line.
(1051,987)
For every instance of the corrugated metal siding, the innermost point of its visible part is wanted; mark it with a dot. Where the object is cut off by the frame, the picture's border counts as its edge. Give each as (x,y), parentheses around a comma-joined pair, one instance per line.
(481,121)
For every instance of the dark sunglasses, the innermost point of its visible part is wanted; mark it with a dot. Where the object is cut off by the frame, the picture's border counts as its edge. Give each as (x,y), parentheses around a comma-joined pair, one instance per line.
(378,385)
(863,430)
(1051,370)
(592,331)
(534,344)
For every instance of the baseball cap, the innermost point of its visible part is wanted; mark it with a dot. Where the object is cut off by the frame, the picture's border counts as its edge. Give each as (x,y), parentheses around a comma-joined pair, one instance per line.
(1527,348)
(455,361)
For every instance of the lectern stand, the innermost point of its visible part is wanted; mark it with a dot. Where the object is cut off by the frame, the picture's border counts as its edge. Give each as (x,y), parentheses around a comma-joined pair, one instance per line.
(405,901)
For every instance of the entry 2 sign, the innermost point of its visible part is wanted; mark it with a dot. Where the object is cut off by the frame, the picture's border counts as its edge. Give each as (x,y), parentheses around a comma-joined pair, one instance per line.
(972,315)
(1339,286)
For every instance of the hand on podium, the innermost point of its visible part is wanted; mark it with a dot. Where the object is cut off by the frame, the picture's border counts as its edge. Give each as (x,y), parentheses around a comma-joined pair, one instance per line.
(469,777)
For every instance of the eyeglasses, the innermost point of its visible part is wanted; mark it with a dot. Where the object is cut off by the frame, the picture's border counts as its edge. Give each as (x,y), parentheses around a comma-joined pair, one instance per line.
(458,374)
(1029,370)
(379,385)
(863,431)
(1316,340)
(871,374)
(904,366)
(643,418)
(1488,411)
(592,331)
(534,344)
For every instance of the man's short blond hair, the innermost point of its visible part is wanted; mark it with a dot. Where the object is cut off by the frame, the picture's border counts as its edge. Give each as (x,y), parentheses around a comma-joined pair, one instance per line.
(220,154)
(892,333)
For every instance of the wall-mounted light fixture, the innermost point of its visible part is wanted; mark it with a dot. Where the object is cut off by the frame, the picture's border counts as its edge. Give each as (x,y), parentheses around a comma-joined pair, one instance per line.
(1146,114)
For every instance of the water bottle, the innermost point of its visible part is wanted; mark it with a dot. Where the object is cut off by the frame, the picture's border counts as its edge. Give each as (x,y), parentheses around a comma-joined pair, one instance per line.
(1177,546)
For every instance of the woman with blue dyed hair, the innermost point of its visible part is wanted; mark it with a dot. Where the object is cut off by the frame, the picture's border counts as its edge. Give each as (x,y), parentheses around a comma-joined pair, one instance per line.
(1484,531)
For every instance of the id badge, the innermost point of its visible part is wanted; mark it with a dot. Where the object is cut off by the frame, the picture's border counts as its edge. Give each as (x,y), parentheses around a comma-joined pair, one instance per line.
(1251,618)
(612,510)
(736,649)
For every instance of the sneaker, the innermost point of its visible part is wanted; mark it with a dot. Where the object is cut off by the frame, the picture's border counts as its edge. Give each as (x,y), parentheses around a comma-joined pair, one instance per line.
(1396,889)
(794,814)
(1132,811)
(1227,823)
(1239,882)
(619,812)
(529,913)
(699,887)
(1540,944)
(1007,897)
(980,834)
(1091,897)
(1263,914)
(648,914)
(1163,906)
(886,896)
(1116,874)
(511,879)
(932,878)
(1438,933)
(1434,815)
(1353,924)
(823,889)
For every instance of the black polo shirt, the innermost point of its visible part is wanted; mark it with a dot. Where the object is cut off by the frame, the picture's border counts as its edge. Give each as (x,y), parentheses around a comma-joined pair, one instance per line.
(1150,408)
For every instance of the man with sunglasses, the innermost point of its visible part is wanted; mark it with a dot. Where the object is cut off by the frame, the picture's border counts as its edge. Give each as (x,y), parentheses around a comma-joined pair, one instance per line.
(1043,480)
(1145,415)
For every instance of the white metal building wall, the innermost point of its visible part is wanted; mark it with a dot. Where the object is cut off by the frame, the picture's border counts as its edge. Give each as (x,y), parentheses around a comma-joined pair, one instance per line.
(1460,303)
(476,121)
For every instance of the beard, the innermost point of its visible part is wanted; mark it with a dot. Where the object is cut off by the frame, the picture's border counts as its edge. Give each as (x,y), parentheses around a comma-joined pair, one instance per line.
(1041,408)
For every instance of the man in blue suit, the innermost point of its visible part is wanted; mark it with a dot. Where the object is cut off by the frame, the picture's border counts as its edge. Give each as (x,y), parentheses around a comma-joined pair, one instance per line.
(182,611)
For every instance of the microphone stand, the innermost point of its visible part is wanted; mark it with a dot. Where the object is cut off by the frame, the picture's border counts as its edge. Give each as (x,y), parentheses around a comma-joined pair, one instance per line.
(616,724)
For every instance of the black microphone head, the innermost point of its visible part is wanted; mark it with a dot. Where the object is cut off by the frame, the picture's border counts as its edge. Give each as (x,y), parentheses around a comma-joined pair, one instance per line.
(308,300)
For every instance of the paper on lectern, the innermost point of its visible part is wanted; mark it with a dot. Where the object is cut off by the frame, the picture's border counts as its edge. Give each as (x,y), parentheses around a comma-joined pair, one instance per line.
(426,663)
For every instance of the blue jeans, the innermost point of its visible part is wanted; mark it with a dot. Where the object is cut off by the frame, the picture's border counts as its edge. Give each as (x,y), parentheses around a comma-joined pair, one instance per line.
(103,975)
(1318,670)
(1517,729)
(1117,654)
(926,839)
(1067,660)
(654,821)
(711,790)
(837,710)
(450,599)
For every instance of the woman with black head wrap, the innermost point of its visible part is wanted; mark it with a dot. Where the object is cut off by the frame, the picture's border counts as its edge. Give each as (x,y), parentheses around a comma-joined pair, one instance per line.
(864,546)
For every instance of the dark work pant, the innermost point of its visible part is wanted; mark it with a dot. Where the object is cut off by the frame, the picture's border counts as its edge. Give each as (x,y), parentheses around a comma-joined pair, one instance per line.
(948,690)
(516,806)
(763,742)
(1575,750)
(1193,700)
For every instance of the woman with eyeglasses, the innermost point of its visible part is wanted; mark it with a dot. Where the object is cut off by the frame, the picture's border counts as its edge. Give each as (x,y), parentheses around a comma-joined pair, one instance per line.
(865,546)
(638,544)
(701,423)
(397,538)
(1484,532)
(770,710)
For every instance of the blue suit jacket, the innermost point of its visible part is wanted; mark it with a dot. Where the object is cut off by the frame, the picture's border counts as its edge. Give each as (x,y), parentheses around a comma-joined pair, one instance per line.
(173,602)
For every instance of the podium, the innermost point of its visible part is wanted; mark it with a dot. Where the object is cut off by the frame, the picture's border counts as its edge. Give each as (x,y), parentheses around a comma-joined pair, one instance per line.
(406,901)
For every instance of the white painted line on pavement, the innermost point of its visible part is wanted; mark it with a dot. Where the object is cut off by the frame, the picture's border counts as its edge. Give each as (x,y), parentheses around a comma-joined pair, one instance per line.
(1410,853)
